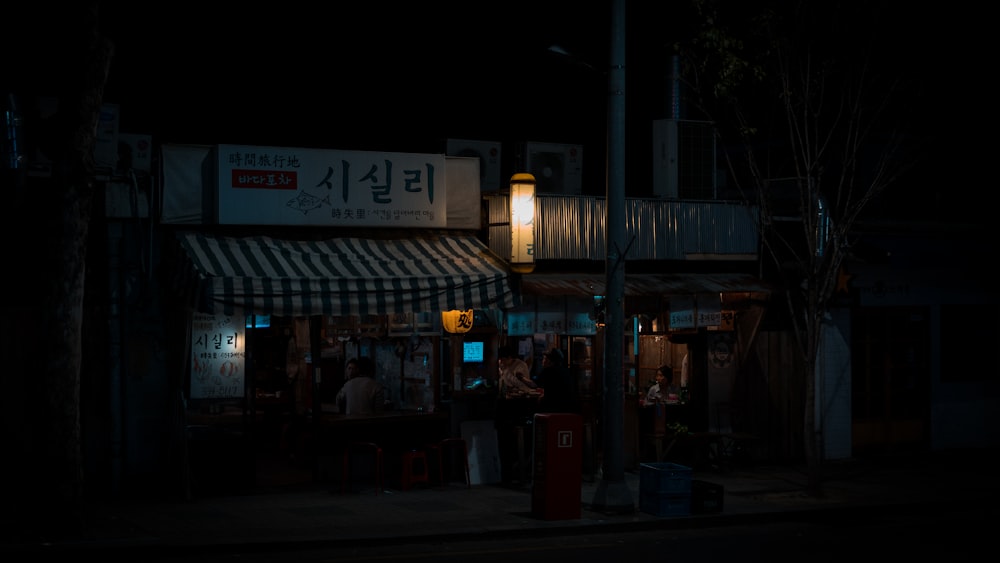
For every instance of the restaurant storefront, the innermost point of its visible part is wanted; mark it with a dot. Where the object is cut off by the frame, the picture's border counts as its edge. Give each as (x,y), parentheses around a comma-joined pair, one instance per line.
(267,252)
(698,324)
(275,302)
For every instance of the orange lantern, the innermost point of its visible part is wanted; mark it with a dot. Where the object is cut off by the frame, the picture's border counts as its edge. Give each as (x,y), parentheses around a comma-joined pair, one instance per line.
(457,322)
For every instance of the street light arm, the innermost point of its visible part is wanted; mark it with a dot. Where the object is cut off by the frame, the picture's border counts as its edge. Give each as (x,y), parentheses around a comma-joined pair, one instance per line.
(565,56)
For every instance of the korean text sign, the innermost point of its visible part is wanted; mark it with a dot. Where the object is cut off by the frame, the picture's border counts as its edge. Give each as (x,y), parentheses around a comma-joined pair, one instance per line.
(217,356)
(296,186)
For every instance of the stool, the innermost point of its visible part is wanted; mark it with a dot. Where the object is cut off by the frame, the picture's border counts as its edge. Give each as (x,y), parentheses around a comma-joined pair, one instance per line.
(415,469)
(361,447)
(453,446)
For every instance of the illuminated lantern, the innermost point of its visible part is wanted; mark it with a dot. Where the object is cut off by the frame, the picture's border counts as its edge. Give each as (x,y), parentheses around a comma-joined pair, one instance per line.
(522,222)
(457,322)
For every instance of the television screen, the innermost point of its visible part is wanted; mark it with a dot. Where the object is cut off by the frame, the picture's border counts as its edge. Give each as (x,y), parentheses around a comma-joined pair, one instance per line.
(472,352)
(258,321)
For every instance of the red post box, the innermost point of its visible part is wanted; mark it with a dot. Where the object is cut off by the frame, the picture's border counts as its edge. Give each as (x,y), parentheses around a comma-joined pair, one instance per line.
(557,469)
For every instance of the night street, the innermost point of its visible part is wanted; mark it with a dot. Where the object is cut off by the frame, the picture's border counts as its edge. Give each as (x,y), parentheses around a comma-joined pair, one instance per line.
(922,534)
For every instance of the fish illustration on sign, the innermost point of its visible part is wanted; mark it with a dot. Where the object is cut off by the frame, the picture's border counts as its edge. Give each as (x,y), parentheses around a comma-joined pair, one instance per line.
(306,202)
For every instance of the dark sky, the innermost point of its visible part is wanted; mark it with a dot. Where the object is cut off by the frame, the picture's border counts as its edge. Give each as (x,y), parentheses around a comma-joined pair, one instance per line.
(398,76)
(390,76)
(385,76)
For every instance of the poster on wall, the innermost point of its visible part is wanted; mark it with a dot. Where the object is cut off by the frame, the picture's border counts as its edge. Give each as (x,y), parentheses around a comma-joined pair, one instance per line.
(720,351)
(218,354)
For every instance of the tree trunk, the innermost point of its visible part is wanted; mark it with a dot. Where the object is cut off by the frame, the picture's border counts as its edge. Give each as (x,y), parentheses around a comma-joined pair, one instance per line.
(53,467)
(814,459)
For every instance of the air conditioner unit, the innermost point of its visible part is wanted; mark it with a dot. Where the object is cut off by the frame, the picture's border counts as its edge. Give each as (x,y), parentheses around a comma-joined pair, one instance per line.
(488,153)
(684,164)
(557,168)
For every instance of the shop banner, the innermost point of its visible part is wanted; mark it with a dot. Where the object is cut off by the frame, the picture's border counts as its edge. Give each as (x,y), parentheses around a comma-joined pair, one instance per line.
(218,352)
(295,186)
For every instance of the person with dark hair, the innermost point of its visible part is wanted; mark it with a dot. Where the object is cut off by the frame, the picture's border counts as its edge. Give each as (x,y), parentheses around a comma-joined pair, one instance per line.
(559,389)
(362,393)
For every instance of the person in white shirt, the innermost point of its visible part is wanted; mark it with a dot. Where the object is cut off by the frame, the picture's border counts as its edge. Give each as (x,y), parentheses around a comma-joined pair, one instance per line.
(515,376)
(516,403)
(663,388)
(362,393)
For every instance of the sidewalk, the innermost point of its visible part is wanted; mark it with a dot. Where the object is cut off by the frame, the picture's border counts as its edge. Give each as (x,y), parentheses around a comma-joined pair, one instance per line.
(319,516)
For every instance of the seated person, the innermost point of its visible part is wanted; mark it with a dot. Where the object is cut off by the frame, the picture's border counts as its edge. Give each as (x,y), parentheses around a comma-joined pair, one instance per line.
(362,393)
(663,389)
(515,376)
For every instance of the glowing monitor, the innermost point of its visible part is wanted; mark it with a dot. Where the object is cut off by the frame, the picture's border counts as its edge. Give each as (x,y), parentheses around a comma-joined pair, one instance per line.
(472,352)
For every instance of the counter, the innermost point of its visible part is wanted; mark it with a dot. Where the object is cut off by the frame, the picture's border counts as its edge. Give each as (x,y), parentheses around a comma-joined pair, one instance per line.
(392,430)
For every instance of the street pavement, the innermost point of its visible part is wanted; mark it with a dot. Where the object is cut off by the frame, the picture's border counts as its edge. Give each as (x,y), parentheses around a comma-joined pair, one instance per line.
(316,516)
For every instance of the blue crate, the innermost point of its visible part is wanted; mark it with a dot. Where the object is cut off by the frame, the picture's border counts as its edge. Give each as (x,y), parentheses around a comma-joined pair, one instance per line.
(665,504)
(657,478)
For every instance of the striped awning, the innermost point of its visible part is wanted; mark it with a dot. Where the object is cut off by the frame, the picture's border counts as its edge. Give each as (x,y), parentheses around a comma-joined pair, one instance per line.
(343,276)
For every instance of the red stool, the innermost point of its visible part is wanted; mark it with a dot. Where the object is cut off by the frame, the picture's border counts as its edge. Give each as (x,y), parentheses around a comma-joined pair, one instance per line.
(453,446)
(415,469)
(357,448)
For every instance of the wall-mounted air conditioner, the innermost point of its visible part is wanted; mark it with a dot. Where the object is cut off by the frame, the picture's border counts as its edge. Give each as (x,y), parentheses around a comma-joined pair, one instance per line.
(488,153)
(557,168)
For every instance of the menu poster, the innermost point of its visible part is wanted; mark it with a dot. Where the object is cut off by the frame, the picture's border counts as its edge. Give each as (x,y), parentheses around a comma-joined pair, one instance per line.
(218,356)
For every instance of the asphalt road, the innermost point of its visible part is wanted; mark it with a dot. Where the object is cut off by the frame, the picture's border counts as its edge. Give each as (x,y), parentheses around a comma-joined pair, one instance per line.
(949,535)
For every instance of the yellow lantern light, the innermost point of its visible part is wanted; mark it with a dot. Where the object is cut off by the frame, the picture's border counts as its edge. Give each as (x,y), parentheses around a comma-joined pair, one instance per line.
(522,222)
(457,322)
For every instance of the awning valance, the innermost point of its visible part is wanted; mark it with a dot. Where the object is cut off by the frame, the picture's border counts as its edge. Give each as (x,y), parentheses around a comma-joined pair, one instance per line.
(344,276)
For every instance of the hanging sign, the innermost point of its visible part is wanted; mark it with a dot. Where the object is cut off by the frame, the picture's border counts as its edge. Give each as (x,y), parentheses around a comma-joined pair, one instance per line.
(682,312)
(457,322)
(709,311)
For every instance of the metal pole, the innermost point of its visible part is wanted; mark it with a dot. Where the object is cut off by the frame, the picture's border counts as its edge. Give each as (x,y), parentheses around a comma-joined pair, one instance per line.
(612,494)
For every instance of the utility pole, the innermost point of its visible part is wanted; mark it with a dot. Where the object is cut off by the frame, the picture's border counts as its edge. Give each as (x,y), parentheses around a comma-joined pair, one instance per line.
(613,494)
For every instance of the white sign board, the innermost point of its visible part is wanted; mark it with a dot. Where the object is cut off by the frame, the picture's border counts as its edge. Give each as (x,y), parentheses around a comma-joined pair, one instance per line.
(682,312)
(521,323)
(218,355)
(709,310)
(580,324)
(295,186)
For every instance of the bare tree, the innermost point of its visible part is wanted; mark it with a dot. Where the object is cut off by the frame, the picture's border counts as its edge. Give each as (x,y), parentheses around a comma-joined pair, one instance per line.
(815,113)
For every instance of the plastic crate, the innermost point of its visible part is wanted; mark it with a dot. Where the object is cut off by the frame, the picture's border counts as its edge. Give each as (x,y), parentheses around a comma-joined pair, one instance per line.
(658,478)
(665,504)
(706,497)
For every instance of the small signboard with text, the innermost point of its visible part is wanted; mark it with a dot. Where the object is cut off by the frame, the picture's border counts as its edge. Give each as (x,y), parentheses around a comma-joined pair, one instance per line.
(217,356)
(320,187)
(682,312)
(709,311)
